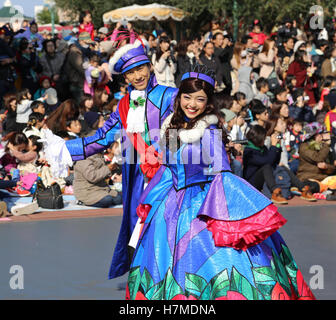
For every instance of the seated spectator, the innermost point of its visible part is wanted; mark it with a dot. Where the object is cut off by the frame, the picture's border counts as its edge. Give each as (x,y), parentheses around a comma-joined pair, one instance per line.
(45,83)
(259,113)
(239,102)
(292,142)
(263,88)
(329,64)
(280,109)
(92,75)
(94,120)
(300,110)
(259,162)
(90,185)
(314,162)
(280,94)
(74,127)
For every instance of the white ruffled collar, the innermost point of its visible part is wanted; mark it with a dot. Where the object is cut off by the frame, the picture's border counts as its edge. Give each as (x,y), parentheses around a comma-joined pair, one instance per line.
(194,134)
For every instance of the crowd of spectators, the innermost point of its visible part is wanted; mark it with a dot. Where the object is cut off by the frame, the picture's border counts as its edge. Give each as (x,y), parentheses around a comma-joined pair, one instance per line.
(276,92)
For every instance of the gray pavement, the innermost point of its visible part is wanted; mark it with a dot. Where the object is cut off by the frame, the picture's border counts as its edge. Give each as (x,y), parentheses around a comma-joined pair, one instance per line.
(70,259)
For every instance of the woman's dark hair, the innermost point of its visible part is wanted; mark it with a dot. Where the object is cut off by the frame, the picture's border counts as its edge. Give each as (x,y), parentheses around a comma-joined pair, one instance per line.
(8,98)
(159,52)
(178,119)
(21,94)
(35,142)
(239,96)
(57,119)
(23,45)
(221,101)
(256,135)
(94,57)
(45,43)
(256,107)
(182,47)
(34,118)
(97,98)
(328,80)
(271,123)
(84,98)
(328,51)
(288,82)
(16,138)
(83,14)
(299,55)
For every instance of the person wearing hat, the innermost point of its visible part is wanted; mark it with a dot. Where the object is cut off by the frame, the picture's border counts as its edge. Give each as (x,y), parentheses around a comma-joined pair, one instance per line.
(102,33)
(315,158)
(139,115)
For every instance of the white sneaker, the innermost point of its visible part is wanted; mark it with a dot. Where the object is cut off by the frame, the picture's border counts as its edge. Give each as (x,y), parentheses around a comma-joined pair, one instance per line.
(24,208)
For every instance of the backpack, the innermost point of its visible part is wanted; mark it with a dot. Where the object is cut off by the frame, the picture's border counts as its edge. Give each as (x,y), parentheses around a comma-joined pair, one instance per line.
(282,180)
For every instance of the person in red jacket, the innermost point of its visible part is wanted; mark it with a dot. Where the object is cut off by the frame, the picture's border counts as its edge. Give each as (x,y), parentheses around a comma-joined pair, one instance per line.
(303,71)
(257,35)
(86,25)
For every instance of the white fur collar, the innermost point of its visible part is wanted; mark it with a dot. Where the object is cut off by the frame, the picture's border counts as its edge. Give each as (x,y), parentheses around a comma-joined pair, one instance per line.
(194,134)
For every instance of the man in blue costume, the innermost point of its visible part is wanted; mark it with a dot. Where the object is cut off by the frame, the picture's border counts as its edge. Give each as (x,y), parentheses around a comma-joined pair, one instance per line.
(141,111)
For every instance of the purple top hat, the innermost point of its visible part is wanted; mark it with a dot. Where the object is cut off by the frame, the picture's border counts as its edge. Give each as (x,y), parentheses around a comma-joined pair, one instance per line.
(128,57)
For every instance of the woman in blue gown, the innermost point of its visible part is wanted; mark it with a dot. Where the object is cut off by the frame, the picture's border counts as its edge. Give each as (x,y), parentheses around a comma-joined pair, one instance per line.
(205,233)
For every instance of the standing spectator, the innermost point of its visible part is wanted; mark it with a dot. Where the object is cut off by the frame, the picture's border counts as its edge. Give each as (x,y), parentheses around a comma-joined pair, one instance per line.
(29,66)
(86,25)
(287,30)
(187,56)
(7,58)
(303,71)
(268,63)
(214,29)
(223,53)
(75,72)
(286,50)
(51,61)
(164,64)
(152,42)
(207,58)
(32,36)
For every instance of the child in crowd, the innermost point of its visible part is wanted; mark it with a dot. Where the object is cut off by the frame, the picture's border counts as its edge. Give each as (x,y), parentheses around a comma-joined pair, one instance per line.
(45,84)
(23,109)
(122,91)
(328,84)
(35,124)
(38,106)
(74,127)
(263,88)
(92,75)
(293,140)
(113,155)
(291,88)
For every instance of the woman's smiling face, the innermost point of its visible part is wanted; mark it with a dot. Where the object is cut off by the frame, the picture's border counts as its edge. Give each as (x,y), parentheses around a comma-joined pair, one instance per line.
(194,104)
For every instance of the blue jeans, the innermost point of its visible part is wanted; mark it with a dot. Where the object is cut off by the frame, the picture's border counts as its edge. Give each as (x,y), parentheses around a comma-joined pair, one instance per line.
(108,201)
(237,168)
(294,165)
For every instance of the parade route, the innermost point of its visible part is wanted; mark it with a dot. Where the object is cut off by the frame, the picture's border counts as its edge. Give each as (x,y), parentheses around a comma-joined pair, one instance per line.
(70,258)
